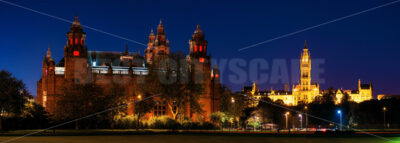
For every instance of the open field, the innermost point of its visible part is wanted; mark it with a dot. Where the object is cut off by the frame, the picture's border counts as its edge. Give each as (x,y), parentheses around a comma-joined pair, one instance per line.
(194,139)
(193,136)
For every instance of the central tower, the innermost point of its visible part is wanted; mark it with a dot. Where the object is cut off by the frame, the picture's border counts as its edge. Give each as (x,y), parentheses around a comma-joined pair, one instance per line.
(305,69)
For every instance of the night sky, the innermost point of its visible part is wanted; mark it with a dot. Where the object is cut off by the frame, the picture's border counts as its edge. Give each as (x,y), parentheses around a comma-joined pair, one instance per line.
(365,46)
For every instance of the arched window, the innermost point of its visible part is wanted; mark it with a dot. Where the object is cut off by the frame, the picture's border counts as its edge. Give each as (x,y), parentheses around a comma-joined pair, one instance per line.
(76,41)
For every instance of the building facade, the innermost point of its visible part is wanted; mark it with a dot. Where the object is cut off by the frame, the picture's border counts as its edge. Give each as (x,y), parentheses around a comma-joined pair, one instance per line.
(79,65)
(306,91)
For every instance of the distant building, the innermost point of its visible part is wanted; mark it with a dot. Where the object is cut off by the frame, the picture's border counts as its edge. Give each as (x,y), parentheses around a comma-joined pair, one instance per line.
(79,65)
(306,91)
(387,96)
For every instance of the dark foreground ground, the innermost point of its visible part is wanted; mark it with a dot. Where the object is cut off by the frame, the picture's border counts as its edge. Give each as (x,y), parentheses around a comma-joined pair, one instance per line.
(192,136)
(195,139)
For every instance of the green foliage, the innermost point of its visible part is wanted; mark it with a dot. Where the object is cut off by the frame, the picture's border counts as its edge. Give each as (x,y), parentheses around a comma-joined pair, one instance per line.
(217,118)
(271,111)
(232,104)
(128,122)
(13,95)
(162,122)
(254,122)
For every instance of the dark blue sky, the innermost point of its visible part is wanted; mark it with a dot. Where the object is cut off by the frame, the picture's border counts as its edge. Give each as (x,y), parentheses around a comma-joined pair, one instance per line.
(364,46)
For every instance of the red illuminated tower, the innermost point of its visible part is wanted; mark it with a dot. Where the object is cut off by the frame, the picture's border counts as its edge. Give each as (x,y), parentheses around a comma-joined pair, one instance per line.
(75,54)
(201,69)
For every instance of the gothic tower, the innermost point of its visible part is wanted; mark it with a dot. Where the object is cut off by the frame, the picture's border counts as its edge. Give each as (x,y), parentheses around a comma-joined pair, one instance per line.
(46,85)
(75,54)
(305,69)
(201,68)
(150,47)
(158,45)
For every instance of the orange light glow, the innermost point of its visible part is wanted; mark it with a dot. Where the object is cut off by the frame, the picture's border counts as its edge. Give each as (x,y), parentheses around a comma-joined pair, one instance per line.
(76,53)
(216,76)
(201,60)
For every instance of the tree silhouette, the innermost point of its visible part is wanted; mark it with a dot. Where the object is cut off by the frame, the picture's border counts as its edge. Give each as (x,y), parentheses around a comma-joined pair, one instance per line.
(13,96)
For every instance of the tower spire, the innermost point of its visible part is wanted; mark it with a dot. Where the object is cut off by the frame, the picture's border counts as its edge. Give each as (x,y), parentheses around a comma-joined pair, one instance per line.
(126,49)
(48,52)
(305,44)
(76,21)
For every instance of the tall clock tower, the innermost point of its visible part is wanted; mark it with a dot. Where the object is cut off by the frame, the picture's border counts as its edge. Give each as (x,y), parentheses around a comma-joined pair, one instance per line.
(305,69)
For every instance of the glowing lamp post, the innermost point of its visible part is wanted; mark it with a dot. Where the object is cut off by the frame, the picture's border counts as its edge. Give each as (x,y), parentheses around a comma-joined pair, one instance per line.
(306,108)
(301,121)
(384,117)
(286,116)
(340,116)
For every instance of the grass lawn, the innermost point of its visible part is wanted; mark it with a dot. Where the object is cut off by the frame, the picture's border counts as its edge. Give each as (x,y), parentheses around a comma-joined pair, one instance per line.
(193,139)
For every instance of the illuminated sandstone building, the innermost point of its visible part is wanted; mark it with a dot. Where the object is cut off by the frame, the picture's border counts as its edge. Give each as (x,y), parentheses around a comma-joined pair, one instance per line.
(80,65)
(306,91)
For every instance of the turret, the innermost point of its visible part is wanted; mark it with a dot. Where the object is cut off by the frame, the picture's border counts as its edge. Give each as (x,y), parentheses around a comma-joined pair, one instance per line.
(198,44)
(50,63)
(158,45)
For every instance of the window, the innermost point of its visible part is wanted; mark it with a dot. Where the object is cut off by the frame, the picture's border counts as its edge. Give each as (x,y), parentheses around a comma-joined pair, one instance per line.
(201,48)
(76,53)
(195,48)
(76,41)
(216,76)
(159,108)
(201,60)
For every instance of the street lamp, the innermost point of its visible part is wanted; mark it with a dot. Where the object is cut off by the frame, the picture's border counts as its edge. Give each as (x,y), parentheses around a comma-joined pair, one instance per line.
(340,114)
(233,100)
(306,108)
(286,116)
(139,97)
(384,117)
(301,121)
